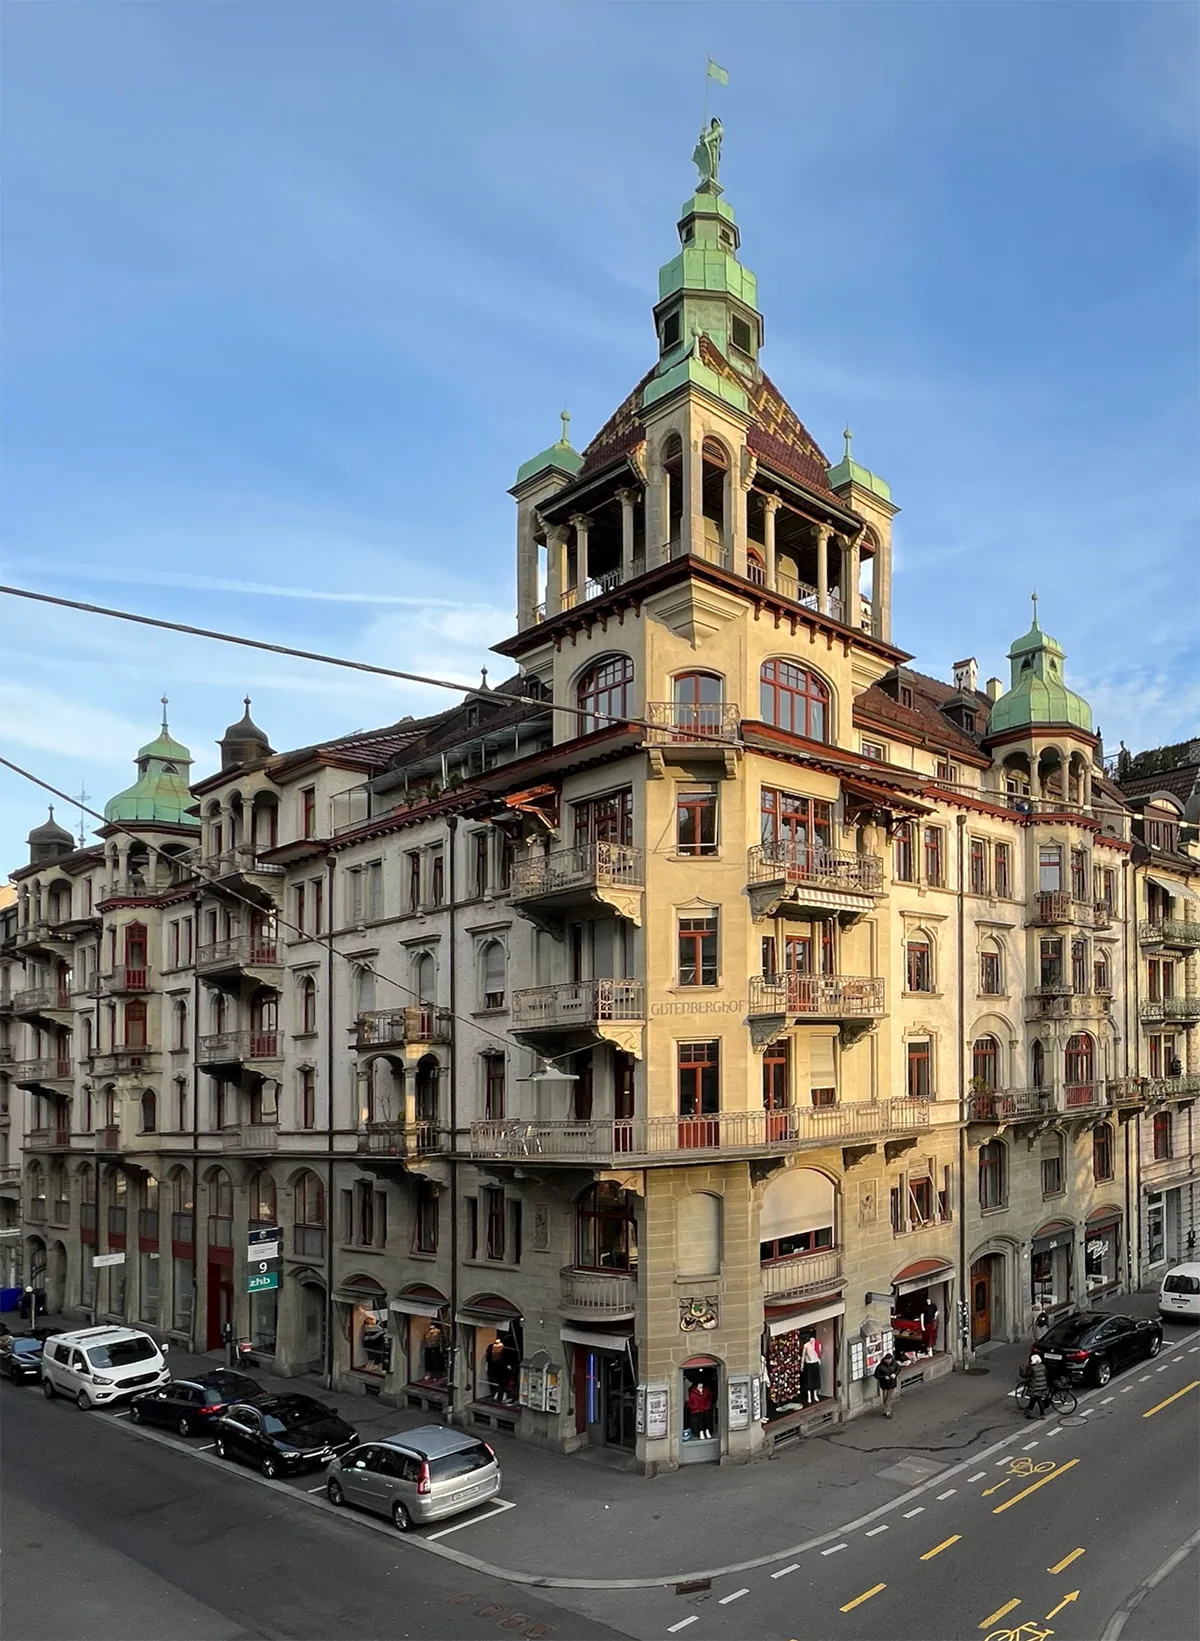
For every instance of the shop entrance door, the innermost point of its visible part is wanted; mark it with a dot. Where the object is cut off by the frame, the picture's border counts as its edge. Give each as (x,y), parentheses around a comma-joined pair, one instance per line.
(981,1301)
(609,1399)
(220,1302)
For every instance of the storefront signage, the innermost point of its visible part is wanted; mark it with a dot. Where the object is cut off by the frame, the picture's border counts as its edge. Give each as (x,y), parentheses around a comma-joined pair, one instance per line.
(699,1315)
(739,1404)
(700,1006)
(108,1259)
(259,1282)
(1097,1247)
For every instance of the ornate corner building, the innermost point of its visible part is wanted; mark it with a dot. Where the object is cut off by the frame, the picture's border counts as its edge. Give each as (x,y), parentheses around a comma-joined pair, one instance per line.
(628,1054)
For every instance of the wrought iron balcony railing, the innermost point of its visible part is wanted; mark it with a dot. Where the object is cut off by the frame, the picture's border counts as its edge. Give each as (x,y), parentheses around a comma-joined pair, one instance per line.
(819,996)
(586,866)
(578,1003)
(690,721)
(815,865)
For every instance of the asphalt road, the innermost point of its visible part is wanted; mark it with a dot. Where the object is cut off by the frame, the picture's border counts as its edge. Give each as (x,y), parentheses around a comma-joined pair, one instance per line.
(111,1537)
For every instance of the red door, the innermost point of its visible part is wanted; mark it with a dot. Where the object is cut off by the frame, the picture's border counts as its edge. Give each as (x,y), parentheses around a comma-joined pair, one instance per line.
(220,1303)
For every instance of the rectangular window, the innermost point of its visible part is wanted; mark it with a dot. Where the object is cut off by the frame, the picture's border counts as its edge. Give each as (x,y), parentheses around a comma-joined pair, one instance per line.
(373,890)
(875,750)
(300,908)
(183,1294)
(606,819)
(1162,1136)
(947,773)
(698,950)
(921,1202)
(935,856)
(425,1222)
(308,812)
(347,1206)
(437,878)
(480,866)
(472,1227)
(414,880)
(1050,962)
(318,906)
(696,820)
(1079,967)
(1049,869)
(1156,1057)
(989,973)
(493,1209)
(699,1079)
(920,1068)
(308,1098)
(354,895)
(493,1087)
(1051,1176)
(1002,860)
(1080,875)
(1106,888)
(979,871)
(896,1206)
(366,1216)
(1102,1153)
(906,868)
(991,1174)
(514,1231)
(173,946)
(919,975)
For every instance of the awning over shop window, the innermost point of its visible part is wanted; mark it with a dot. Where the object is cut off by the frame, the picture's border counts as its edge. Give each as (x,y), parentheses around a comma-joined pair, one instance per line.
(1103,1216)
(804,1319)
(592,1340)
(361,1290)
(1175,890)
(922,1273)
(406,1305)
(488,1310)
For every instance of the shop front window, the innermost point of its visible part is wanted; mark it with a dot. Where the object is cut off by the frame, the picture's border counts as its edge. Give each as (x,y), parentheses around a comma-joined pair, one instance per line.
(183,1279)
(1100,1257)
(497,1365)
(370,1345)
(1050,1275)
(700,1408)
(428,1351)
(149,1288)
(264,1320)
(1156,1247)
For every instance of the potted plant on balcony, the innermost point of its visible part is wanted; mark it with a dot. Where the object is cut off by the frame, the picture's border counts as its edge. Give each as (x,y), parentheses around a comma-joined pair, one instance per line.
(983,1098)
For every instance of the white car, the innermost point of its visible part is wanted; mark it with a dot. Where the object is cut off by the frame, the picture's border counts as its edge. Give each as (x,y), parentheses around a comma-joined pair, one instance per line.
(1180,1292)
(96,1366)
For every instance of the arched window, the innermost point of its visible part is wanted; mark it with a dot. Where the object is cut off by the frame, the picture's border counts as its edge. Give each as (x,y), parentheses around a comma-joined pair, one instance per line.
(1079,1071)
(605,692)
(149,1112)
(1102,1152)
(180,1183)
(1102,973)
(308,1003)
(698,699)
(985,1065)
(135,1024)
(264,1026)
(425,978)
(220,1194)
(698,1235)
(918,956)
(756,567)
(262,1198)
(492,975)
(181,1025)
(993,1174)
(606,1229)
(794,699)
(310,1199)
(426,1089)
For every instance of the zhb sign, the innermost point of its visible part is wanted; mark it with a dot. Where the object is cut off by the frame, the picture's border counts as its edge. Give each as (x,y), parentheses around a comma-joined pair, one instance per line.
(262,1259)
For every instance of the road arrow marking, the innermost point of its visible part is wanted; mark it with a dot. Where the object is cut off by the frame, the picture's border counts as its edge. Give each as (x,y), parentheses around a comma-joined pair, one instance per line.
(988,1491)
(1065,1562)
(1065,1602)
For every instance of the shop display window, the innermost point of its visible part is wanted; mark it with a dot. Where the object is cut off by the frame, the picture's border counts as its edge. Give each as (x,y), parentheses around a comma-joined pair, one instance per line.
(370,1345)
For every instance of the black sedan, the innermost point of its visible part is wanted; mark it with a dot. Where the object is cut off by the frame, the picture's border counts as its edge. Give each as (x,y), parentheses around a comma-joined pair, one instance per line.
(282,1433)
(190,1405)
(21,1358)
(1094,1345)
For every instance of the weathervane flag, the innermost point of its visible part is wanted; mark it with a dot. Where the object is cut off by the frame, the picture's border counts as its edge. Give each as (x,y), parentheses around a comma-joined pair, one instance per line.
(717,73)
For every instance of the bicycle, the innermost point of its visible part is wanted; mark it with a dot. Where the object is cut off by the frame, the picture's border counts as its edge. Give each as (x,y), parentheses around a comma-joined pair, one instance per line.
(1062,1398)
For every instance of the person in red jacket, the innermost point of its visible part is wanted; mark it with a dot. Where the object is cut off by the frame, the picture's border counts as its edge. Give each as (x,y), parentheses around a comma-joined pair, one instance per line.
(700,1410)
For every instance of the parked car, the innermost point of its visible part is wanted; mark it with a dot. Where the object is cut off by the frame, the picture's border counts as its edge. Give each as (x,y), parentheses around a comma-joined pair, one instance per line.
(1180,1292)
(281,1433)
(1095,1345)
(20,1358)
(419,1476)
(98,1366)
(190,1405)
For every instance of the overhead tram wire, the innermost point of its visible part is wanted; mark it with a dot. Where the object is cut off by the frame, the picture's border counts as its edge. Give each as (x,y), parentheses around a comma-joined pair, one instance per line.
(477,692)
(281,921)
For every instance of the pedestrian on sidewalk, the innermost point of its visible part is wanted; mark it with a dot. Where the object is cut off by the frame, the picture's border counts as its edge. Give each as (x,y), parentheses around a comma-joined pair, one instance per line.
(1039,1386)
(886,1375)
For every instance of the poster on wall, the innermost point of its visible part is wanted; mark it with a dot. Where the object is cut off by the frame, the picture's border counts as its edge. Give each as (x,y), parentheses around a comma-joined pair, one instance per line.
(657,1413)
(739,1404)
(640,1411)
(756,1400)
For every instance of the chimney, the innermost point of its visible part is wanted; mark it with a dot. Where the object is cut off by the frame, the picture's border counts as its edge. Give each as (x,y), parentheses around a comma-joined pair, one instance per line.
(966,675)
(995,689)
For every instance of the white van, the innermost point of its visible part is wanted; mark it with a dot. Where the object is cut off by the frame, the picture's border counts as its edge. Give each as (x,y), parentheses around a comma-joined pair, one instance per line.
(1180,1292)
(101,1365)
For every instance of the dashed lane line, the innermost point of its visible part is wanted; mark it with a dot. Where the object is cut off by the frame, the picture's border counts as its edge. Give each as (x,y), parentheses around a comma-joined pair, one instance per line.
(736,1596)
(1055,1431)
(834,1548)
(1106,1401)
(949,1493)
(859,1599)
(1066,1561)
(1143,1379)
(683,1624)
(884,1529)
(1000,1612)
(1028,1445)
(978,1476)
(938,1548)
(1163,1368)
(792,1567)
(920,1508)
(1150,1414)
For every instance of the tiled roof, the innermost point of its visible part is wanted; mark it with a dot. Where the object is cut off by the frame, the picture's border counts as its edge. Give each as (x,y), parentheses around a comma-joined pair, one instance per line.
(1179,782)
(922,720)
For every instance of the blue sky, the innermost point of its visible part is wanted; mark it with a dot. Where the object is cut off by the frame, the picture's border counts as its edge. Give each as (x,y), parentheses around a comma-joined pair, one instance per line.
(291,290)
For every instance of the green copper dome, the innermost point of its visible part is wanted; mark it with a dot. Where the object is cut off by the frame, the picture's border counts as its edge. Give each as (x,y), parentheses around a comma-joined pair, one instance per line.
(1038,693)
(559,455)
(160,792)
(848,471)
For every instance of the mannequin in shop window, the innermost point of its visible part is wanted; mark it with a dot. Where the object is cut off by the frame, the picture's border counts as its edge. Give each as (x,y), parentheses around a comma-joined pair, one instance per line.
(700,1411)
(929,1318)
(810,1359)
(493,1367)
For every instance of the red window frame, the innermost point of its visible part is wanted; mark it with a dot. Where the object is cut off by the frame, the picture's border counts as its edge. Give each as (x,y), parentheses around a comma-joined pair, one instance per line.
(978,870)
(604,694)
(985,1064)
(919,1065)
(935,856)
(696,815)
(794,699)
(493,1087)
(918,972)
(1002,868)
(699,1093)
(1162,1136)
(1102,1152)
(989,974)
(697,942)
(904,858)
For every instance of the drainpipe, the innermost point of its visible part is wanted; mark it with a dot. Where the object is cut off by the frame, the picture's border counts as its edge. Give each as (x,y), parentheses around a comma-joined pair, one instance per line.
(452,977)
(1133,1217)
(196,994)
(964,1283)
(330,1207)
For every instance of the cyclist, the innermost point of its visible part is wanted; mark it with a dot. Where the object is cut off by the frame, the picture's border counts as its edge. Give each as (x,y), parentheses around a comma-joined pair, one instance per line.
(1039,1386)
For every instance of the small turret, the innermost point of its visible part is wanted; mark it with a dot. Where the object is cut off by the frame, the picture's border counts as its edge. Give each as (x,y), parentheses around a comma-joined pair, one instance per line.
(49,841)
(243,742)
(160,792)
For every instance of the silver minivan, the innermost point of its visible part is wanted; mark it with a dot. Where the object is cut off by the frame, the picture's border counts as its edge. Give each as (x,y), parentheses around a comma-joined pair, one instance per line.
(418,1476)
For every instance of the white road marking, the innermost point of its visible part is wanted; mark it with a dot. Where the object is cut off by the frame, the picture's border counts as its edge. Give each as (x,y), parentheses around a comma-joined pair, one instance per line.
(1163,1368)
(1007,1459)
(682,1624)
(320,1489)
(499,1506)
(1125,1389)
(1143,1378)
(1055,1431)
(736,1596)
(124,1415)
(207,1447)
(784,1571)
(918,1511)
(1028,1445)
(1193,1350)
(873,1530)
(978,1476)
(950,1491)
(1106,1401)
(833,1549)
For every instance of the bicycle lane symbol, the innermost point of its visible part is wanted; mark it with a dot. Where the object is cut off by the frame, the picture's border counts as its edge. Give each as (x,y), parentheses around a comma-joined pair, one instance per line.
(1020,1468)
(1028,1631)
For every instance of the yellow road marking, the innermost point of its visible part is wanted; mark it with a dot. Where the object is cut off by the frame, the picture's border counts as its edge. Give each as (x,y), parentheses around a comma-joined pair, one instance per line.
(1024,1494)
(1065,1602)
(938,1548)
(1171,1399)
(866,1596)
(1065,1562)
(1000,1612)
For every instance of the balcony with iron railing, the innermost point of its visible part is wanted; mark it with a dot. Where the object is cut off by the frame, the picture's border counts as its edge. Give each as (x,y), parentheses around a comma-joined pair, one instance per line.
(47,1072)
(822,1271)
(402,1028)
(817,996)
(571,876)
(812,867)
(1182,933)
(238,952)
(1003,1105)
(1183,1011)
(1159,1089)
(609,1296)
(578,1003)
(126,1060)
(37,1000)
(692,723)
(242,858)
(1055,907)
(403,1140)
(1059,1000)
(234,1048)
(125,977)
(250,1138)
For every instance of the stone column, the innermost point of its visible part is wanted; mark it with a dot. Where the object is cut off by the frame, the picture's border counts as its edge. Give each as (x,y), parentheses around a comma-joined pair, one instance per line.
(582,525)
(691,525)
(735,506)
(850,595)
(628,500)
(556,546)
(771,505)
(823,534)
(881,590)
(527,568)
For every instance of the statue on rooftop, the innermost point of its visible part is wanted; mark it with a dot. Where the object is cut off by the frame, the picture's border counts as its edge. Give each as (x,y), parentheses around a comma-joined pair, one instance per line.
(707,157)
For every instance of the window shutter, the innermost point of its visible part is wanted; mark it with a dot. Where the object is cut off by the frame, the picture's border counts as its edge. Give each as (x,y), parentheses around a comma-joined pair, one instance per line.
(822,1063)
(698,1235)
